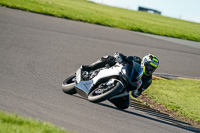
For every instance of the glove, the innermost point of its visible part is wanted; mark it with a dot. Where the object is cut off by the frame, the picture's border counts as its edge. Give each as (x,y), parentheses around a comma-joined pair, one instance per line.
(136,93)
(119,57)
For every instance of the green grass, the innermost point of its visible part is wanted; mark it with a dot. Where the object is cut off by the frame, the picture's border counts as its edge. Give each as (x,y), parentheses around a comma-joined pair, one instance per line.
(82,10)
(182,96)
(12,123)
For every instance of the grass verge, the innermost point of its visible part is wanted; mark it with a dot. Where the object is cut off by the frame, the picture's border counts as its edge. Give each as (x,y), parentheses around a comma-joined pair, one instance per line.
(182,96)
(83,10)
(12,123)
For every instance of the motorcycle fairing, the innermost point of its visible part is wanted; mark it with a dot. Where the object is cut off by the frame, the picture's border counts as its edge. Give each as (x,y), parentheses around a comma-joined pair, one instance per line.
(84,87)
(78,75)
(110,72)
(133,73)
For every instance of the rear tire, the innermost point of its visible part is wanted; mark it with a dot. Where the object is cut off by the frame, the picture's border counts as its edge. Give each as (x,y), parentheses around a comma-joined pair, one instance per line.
(121,102)
(92,97)
(68,85)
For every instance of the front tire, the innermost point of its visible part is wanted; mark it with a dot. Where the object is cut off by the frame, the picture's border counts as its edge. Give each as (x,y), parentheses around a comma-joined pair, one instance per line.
(94,97)
(68,85)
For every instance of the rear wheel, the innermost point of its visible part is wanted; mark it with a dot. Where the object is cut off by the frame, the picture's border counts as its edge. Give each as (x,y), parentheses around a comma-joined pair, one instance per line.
(68,85)
(103,92)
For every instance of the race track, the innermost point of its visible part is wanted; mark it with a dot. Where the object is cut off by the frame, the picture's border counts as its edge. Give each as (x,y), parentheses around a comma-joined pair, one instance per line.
(38,52)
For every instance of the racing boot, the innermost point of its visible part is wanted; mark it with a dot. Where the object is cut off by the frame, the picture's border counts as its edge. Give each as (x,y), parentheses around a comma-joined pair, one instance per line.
(103,62)
(94,66)
(86,68)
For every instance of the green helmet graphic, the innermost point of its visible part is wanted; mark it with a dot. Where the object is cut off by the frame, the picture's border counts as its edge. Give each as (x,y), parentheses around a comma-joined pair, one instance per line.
(150,63)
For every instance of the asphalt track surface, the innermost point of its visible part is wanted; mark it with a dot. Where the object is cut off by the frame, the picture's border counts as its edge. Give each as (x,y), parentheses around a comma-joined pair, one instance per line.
(38,52)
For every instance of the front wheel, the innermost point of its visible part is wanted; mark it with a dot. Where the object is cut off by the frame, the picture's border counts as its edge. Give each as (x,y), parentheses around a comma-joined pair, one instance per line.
(103,92)
(68,85)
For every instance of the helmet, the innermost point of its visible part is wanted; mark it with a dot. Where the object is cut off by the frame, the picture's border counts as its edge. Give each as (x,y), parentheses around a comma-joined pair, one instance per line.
(149,63)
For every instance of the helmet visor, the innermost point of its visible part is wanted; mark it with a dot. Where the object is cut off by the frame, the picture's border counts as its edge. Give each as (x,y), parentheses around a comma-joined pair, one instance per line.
(149,69)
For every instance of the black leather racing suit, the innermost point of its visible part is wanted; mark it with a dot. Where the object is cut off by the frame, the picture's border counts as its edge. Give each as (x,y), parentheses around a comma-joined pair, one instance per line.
(122,102)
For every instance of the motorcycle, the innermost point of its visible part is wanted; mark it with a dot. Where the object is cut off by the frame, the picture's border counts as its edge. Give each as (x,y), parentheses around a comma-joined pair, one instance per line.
(104,83)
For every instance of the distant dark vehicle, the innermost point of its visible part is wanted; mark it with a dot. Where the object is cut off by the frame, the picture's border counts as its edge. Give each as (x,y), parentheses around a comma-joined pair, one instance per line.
(148,10)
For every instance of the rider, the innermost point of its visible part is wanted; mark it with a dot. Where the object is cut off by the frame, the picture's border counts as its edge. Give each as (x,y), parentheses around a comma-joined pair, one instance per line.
(149,63)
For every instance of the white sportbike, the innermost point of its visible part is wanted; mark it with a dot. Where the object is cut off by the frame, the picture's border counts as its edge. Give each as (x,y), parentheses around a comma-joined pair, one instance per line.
(105,83)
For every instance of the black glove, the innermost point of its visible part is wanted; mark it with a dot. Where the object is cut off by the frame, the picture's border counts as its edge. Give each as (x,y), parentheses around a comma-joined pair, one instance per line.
(129,59)
(136,93)
(137,59)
